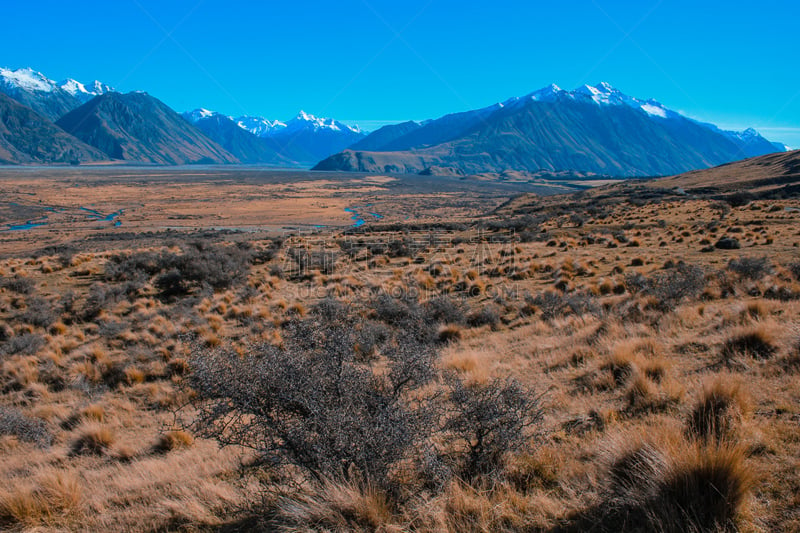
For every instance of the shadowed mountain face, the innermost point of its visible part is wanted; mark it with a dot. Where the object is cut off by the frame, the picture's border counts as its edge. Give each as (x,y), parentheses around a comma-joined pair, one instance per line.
(28,137)
(245,146)
(384,137)
(307,146)
(300,142)
(597,130)
(137,127)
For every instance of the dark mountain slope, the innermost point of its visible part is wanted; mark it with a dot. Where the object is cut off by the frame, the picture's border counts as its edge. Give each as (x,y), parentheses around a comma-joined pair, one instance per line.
(137,127)
(28,137)
(592,129)
(245,146)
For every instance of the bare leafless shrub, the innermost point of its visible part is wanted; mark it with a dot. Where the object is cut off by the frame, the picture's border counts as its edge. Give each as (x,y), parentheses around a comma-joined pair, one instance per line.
(38,312)
(25,344)
(752,268)
(312,404)
(25,428)
(488,315)
(486,422)
(555,304)
(794,268)
(316,404)
(18,284)
(670,286)
(216,266)
(445,310)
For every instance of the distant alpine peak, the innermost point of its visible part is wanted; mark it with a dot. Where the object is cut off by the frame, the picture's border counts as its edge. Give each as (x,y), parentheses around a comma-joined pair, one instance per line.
(73,87)
(27,79)
(605,94)
(198,114)
(305,120)
(547,94)
(259,126)
(76,88)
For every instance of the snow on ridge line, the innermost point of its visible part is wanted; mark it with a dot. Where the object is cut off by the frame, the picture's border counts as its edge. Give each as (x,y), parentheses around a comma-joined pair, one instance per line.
(27,79)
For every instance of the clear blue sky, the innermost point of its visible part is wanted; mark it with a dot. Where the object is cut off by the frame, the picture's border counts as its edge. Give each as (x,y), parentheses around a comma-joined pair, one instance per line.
(732,62)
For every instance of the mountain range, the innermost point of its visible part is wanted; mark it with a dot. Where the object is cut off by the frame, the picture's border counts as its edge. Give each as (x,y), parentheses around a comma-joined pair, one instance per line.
(72,122)
(45,96)
(591,130)
(596,130)
(301,141)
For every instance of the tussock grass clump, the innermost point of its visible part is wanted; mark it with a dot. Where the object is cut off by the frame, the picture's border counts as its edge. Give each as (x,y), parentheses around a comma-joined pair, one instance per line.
(95,412)
(791,361)
(94,440)
(173,440)
(56,497)
(335,506)
(449,333)
(757,343)
(719,411)
(488,315)
(678,488)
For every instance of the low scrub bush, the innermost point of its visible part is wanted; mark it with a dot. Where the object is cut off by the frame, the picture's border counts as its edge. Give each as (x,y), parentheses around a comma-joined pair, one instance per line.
(18,284)
(752,268)
(25,344)
(554,304)
(669,286)
(216,266)
(307,260)
(445,310)
(25,428)
(315,403)
(38,312)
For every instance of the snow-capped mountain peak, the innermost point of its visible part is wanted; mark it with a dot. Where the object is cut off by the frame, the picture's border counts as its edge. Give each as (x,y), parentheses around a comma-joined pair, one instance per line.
(30,81)
(547,94)
(27,79)
(605,94)
(81,91)
(305,120)
(73,87)
(259,126)
(198,114)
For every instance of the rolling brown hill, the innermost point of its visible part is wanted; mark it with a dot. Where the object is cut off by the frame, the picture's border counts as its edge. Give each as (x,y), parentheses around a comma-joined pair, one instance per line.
(767,172)
(772,176)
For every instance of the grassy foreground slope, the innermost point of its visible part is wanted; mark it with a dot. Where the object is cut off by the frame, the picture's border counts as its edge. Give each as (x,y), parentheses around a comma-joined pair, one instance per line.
(625,359)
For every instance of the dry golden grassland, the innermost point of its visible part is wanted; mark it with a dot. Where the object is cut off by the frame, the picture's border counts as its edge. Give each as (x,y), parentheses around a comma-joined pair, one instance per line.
(661,380)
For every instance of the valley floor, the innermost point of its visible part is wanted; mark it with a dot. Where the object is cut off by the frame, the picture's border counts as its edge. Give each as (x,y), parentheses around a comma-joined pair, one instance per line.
(610,365)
